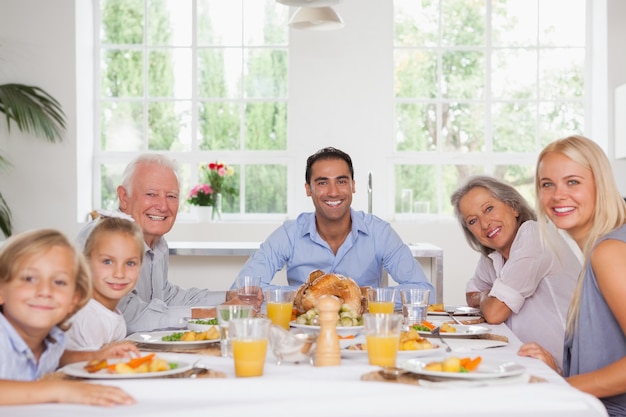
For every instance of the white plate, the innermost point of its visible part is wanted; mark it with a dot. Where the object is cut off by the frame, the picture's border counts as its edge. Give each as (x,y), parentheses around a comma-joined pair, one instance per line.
(458,311)
(461,331)
(78,370)
(341,331)
(154,339)
(437,349)
(192,325)
(487,369)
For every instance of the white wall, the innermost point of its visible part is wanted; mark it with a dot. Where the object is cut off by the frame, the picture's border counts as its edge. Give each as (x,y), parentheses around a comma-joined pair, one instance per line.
(340,95)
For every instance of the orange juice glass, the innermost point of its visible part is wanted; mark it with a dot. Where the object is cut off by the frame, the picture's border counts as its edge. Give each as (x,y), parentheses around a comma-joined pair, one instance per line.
(381,300)
(385,307)
(382,335)
(280,313)
(279,304)
(249,338)
(249,355)
(382,350)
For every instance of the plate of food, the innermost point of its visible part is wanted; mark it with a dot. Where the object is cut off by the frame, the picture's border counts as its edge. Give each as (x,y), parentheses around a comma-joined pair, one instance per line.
(452,367)
(442,310)
(342,331)
(201,325)
(457,330)
(182,339)
(147,366)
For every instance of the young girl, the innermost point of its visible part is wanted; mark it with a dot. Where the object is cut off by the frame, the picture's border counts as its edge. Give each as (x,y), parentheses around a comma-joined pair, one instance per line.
(114,251)
(576,190)
(44,281)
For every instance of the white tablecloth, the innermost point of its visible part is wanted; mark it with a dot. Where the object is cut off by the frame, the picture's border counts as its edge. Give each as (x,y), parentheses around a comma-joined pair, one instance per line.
(300,390)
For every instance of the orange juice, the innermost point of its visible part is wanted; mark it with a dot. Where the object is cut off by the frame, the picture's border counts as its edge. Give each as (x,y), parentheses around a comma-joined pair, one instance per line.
(381,307)
(382,350)
(280,313)
(249,355)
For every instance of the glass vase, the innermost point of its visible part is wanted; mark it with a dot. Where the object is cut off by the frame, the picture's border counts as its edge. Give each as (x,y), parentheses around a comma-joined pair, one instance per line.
(217,207)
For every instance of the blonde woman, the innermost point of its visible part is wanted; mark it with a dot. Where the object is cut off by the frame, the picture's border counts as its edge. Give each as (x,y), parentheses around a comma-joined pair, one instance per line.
(577,192)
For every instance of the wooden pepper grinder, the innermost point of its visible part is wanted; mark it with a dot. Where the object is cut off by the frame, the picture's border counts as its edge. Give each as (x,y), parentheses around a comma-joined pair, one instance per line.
(327,352)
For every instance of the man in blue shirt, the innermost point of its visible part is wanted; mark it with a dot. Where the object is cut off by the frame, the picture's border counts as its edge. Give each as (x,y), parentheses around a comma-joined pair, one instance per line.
(335,238)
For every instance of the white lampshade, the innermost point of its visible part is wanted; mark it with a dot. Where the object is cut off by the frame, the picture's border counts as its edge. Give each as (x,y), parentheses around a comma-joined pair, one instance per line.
(309,3)
(316,18)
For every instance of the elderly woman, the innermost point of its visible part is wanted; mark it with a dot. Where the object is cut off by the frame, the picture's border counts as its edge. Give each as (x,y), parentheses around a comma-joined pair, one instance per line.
(517,281)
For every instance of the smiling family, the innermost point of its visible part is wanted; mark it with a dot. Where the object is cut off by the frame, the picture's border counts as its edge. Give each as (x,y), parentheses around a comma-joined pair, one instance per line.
(569,316)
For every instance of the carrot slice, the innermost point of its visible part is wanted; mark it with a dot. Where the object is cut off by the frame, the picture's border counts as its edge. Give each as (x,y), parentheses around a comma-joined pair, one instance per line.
(428,324)
(346,337)
(473,364)
(136,362)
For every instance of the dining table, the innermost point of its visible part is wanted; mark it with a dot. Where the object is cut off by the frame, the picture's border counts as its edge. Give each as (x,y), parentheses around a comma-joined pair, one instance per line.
(352,388)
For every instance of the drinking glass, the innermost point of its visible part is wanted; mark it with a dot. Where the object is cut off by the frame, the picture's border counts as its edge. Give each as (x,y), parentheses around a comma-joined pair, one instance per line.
(414,305)
(279,303)
(382,335)
(248,288)
(249,337)
(225,313)
(381,300)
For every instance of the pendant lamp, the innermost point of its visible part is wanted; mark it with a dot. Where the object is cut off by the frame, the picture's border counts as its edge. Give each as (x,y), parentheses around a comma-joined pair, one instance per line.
(316,18)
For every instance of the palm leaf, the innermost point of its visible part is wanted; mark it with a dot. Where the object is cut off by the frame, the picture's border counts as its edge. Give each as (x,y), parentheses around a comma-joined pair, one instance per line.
(33,110)
(5,217)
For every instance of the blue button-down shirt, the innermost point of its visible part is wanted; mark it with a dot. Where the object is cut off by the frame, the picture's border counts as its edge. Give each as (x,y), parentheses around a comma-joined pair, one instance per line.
(371,246)
(17,361)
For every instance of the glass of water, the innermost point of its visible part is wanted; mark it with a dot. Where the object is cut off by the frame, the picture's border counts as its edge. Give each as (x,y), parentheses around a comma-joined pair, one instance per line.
(414,305)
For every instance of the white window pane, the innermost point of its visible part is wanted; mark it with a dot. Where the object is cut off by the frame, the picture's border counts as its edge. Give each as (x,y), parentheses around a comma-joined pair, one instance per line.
(168,22)
(560,28)
(514,73)
(514,23)
(219,22)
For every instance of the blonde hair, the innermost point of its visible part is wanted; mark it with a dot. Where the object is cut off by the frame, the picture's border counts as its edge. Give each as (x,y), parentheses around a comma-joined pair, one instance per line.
(17,249)
(106,225)
(610,208)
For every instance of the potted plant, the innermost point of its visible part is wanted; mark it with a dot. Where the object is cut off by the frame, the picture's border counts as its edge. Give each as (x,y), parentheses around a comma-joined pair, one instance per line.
(33,111)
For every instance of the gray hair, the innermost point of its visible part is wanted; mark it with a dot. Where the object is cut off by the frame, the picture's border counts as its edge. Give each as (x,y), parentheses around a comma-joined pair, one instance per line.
(500,191)
(147,159)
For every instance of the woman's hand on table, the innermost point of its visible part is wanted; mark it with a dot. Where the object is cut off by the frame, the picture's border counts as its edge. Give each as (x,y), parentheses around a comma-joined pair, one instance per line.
(533,350)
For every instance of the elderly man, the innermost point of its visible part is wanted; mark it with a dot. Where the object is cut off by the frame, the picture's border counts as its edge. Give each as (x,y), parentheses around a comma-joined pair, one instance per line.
(335,238)
(149,193)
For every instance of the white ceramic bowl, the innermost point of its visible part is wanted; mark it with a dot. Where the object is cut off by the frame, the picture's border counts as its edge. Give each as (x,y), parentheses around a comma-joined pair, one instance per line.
(200,325)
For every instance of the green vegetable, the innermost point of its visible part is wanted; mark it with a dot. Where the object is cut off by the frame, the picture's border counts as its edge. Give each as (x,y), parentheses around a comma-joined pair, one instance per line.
(421,328)
(174,337)
(210,321)
(173,365)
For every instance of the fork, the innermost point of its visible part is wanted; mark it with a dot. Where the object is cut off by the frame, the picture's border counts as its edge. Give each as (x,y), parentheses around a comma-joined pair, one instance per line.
(435,332)
(451,314)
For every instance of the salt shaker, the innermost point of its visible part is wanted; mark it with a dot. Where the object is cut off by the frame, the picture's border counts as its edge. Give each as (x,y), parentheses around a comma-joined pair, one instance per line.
(327,352)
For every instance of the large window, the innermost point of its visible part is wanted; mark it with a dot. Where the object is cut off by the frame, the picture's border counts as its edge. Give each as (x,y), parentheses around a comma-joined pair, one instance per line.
(201,80)
(481,86)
